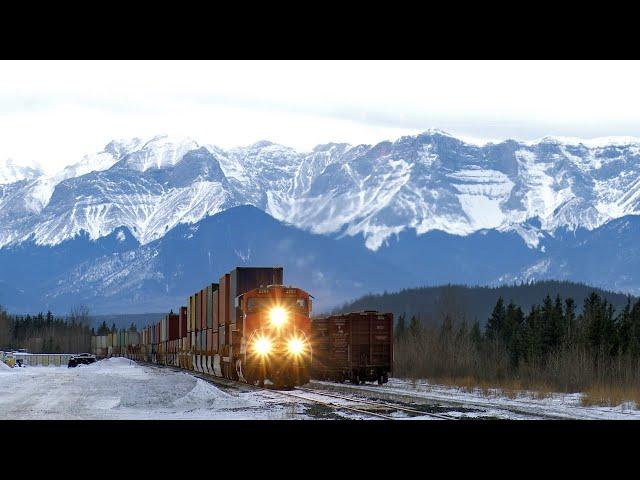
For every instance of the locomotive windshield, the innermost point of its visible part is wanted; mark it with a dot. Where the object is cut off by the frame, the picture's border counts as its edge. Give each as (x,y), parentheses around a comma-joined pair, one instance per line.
(256,304)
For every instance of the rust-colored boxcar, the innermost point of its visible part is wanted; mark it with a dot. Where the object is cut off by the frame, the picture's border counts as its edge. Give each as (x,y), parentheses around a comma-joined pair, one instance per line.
(354,346)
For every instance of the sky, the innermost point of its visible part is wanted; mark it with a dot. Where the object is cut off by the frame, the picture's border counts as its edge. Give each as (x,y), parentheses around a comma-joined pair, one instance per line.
(54,112)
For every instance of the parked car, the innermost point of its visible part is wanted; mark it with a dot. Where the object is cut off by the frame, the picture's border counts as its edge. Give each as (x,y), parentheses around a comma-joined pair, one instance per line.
(82,359)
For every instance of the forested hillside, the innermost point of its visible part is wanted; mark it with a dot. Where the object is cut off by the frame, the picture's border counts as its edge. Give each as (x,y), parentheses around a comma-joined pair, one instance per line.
(431,304)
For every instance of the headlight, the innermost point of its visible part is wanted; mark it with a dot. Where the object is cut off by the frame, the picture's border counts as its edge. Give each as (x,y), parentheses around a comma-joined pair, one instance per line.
(296,346)
(262,346)
(278,316)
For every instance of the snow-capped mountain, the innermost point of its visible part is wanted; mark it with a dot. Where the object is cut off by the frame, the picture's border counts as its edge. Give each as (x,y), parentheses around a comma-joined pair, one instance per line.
(395,199)
(431,181)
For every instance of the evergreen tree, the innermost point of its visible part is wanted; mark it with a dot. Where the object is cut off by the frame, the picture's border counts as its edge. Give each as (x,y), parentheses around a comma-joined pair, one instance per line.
(592,319)
(513,320)
(532,338)
(600,324)
(571,333)
(554,320)
(496,322)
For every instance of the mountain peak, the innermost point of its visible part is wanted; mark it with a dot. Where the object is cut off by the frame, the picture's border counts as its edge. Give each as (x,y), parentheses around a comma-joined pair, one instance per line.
(262,144)
(159,152)
(437,131)
(325,147)
(597,142)
(119,147)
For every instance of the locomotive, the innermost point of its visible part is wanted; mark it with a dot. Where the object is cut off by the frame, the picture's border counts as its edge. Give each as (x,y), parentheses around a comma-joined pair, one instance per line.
(248,327)
(275,342)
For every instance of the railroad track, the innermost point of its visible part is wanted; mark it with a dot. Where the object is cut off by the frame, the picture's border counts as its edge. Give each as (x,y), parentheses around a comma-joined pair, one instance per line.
(333,405)
(387,406)
(299,394)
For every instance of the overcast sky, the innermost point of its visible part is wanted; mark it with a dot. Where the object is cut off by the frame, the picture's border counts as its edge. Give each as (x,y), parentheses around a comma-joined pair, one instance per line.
(55,112)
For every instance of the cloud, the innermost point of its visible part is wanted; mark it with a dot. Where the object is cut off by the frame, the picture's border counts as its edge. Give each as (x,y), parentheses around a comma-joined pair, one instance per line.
(55,112)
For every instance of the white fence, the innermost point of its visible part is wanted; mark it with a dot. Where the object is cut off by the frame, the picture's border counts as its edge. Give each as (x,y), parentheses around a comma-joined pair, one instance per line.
(43,359)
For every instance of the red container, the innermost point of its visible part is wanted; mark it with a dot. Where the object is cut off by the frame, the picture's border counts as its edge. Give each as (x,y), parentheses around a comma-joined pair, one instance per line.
(183,322)
(174,326)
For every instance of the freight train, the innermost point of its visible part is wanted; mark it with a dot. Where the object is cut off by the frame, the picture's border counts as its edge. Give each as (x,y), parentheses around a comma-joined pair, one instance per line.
(252,328)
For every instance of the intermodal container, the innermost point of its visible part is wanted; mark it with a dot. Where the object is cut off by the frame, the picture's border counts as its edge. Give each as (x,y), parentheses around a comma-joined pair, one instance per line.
(223,300)
(214,308)
(183,322)
(203,309)
(174,326)
(198,309)
(209,305)
(243,279)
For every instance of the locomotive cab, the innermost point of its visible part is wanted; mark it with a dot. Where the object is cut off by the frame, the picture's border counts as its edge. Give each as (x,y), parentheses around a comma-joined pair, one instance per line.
(276,348)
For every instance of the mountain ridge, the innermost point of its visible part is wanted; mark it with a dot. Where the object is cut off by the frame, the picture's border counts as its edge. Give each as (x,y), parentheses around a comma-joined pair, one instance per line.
(425,182)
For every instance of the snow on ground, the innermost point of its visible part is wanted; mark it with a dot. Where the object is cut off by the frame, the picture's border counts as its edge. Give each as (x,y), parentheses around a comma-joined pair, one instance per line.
(118,388)
(497,405)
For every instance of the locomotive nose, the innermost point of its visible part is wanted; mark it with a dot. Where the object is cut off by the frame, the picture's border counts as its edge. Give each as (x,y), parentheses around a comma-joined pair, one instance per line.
(296,346)
(278,316)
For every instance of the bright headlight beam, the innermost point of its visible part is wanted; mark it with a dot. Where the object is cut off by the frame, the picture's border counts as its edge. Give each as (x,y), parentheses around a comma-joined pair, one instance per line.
(262,346)
(278,316)
(296,346)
